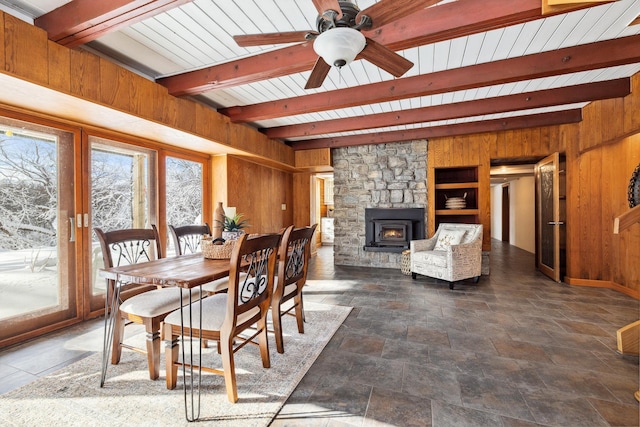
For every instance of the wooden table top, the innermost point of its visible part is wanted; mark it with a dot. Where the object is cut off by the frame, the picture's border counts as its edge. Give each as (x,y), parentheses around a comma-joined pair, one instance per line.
(186,271)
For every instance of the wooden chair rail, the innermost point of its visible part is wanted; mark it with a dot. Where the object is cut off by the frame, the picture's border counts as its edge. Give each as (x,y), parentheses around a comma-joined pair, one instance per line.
(626,220)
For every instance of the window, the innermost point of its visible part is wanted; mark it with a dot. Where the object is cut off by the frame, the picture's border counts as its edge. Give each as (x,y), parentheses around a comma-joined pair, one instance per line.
(184,190)
(123,195)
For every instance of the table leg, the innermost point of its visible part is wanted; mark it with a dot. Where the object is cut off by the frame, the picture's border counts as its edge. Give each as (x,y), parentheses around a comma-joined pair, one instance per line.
(111,309)
(191,404)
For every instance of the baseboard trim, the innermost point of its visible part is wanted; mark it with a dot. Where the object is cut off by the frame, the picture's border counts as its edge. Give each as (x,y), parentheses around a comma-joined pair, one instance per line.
(608,284)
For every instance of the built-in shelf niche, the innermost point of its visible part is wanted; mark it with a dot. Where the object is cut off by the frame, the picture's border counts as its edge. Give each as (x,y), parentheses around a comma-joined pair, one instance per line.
(457,182)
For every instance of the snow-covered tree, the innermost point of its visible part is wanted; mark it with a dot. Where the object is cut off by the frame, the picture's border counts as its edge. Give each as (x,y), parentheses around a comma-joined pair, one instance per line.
(28,189)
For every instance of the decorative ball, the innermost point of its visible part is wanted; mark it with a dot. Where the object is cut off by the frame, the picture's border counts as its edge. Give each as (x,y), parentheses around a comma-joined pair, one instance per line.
(634,188)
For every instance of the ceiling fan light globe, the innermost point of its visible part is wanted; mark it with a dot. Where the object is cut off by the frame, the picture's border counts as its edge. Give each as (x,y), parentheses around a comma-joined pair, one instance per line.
(339,46)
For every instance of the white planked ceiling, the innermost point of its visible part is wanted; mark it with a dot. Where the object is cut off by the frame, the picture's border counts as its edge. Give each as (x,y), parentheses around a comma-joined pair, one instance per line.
(199,34)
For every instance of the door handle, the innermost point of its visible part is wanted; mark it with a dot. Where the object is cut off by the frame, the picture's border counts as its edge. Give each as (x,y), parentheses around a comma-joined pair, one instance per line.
(72,234)
(555,223)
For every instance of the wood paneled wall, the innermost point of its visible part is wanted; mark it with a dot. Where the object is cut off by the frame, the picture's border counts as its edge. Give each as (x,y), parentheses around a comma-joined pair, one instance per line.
(302,199)
(256,191)
(316,160)
(602,152)
(599,191)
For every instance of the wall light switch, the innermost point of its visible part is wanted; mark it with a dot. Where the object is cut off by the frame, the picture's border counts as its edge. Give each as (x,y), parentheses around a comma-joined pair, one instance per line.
(284,206)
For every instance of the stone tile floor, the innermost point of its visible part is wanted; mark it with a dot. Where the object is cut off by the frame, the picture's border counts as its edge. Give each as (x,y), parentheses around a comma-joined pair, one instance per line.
(516,349)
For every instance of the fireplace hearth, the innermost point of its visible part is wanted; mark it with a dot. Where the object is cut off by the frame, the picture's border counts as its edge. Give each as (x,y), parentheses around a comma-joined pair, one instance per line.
(391,229)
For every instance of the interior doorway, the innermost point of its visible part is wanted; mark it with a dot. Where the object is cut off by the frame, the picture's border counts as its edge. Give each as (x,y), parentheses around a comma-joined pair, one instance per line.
(322,208)
(513,204)
(326,208)
(528,209)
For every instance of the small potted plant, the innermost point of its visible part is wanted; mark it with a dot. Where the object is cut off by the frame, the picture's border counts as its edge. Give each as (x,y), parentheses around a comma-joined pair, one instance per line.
(232,226)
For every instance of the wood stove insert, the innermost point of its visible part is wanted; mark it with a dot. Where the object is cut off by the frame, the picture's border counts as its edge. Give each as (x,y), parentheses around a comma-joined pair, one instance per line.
(391,229)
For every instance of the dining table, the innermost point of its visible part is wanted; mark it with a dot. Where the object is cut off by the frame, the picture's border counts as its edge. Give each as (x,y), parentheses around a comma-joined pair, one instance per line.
(184,272)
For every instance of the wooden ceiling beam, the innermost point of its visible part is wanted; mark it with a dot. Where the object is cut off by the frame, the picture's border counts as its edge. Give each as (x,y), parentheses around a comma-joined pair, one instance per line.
(80,21)
(454,20)
(451,20)
(585,57)
(497,125)
(277,63)
(500,104)
(555,6)
(445,22)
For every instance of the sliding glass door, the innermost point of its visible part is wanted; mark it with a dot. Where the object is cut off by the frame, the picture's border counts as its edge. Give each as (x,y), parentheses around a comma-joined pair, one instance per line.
(38,286)
(56,185)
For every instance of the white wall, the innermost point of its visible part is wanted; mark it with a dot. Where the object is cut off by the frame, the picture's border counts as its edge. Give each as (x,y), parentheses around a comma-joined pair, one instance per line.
(522,231)
(521,213)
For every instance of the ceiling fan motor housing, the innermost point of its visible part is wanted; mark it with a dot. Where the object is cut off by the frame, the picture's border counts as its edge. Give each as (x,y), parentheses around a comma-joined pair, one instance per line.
(348,19)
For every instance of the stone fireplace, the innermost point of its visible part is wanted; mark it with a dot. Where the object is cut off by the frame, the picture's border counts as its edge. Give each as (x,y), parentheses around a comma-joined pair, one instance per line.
(387,177)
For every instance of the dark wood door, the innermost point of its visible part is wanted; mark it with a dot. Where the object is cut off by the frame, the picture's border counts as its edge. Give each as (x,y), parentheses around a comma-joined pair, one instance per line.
(550,216)
(505,214)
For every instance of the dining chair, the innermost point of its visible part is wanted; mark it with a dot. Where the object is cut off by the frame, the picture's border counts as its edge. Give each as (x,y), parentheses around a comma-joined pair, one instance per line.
(127,303)
(224,317)
(295,250)
(186,239)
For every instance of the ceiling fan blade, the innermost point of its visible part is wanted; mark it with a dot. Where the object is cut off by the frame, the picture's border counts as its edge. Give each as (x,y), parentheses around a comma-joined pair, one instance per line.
(323,5)
(386,11)
(385,58)
(318,74)
(245,40)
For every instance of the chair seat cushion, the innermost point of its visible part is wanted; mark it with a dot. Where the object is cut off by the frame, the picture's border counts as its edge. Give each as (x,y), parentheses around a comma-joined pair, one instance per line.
(214,310)
(435,258)
(156,302)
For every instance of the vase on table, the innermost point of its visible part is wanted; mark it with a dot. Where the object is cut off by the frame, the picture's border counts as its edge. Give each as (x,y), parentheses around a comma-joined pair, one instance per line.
(218,220)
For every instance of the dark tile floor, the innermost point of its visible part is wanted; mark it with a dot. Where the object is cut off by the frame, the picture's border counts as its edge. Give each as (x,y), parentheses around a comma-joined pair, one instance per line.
(516,349)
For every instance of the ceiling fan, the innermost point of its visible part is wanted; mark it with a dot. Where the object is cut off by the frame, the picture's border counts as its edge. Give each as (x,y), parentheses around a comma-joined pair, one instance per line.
(338,39)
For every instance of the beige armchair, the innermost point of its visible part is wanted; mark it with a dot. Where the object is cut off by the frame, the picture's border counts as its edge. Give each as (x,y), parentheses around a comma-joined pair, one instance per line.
(454,253)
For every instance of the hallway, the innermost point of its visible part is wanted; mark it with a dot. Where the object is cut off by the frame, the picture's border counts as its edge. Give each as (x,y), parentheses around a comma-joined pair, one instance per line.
(514,350)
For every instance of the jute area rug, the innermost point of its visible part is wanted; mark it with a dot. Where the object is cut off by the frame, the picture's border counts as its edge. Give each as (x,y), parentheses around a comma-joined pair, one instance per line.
(72,396)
